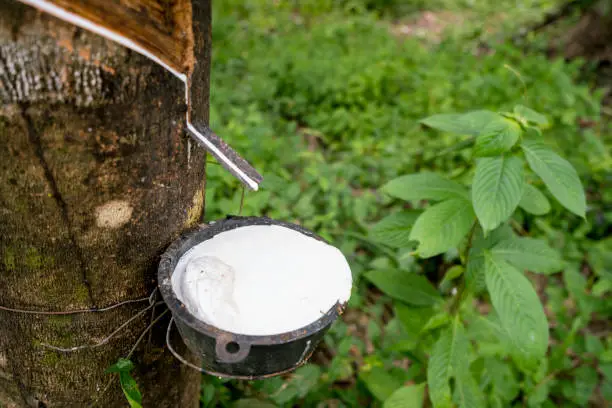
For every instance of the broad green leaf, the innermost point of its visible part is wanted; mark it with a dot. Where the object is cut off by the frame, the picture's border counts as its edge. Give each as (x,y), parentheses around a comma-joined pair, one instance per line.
(495,401)
(534,201)
(442,227)
(474,272)
(252,403)
(539,394)
(121,365)
(394,229)
(601,287)
(380,383)
(529,254)
(301,382)
(585,382)
(413,318)
(405,286)
(207,394)
(558,174)
(529,115)
(497,344)
(467,394)
(424,186)
(593,345)
(437,320)
(410,396)
(130,389)
(451,274)
(519,309)
(600,258)
(439,370)
(404,345)
(498,137)
(470,123)
(449,357)
(503,378)
(576,285)
(460,358)
(128,383)
(305,378)
(497,189)
(533,132)
(558,352)
(606,389)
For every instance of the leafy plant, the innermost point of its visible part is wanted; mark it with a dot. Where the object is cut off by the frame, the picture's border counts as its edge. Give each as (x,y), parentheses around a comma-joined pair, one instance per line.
(326,101)
(508,160)
(123,367)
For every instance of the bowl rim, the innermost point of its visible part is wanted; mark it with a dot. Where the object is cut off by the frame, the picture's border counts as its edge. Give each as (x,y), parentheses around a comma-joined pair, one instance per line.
(203,232)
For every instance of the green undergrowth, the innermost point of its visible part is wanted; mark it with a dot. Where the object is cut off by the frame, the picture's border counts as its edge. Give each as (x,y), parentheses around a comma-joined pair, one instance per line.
(325,101)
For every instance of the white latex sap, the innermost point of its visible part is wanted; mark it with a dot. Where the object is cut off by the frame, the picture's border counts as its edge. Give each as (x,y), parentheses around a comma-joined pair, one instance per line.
(261,280)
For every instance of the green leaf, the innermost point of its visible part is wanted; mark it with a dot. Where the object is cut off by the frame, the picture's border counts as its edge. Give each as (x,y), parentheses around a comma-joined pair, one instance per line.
(121,365)
(442,227)
(474,272)
(529,115)
(424,186)
(503,379)
(252,403)
(497,189)
(128,383)
(405,286)
(593,345)
(305,378)
(467,393)
(130,389)
(519,309)
(437,320)
(534,201)
(529,254)
(601,287)
(470,123)
(301,382)
(380,383)
(558,174)
(449,357)
(207,394)
(451,274)
(576,285)
(413,318)
(439,370)
(410,396)
(498,137)
(539,394)
(394,229)
(585,381)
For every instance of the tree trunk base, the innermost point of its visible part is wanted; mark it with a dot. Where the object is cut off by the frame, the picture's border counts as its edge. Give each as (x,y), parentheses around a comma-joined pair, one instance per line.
(98,178)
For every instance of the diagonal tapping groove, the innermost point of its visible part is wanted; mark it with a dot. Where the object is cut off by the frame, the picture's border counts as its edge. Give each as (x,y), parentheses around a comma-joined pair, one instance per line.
(35,140)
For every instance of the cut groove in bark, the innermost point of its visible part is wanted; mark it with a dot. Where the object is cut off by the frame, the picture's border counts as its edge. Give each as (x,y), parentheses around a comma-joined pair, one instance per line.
(97,179)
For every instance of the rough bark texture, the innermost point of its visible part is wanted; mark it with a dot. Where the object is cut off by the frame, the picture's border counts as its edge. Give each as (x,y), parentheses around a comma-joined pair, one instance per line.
(97,177)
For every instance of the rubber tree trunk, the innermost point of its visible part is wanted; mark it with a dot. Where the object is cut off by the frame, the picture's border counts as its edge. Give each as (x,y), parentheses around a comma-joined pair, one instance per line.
(97,177)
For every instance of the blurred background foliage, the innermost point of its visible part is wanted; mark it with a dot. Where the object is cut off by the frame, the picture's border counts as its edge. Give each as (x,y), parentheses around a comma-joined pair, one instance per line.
(324,98)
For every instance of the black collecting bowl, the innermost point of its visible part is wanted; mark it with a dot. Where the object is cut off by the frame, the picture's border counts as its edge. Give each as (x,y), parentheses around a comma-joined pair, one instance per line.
(230,354)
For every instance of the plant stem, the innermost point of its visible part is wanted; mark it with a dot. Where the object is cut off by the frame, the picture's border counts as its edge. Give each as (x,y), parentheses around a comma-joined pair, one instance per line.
(456,301)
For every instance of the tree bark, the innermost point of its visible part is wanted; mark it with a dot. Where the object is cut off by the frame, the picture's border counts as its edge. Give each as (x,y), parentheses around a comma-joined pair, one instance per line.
(97,177)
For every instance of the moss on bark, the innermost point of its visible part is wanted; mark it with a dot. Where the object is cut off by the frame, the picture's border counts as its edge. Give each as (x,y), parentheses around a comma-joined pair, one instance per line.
(96,127)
